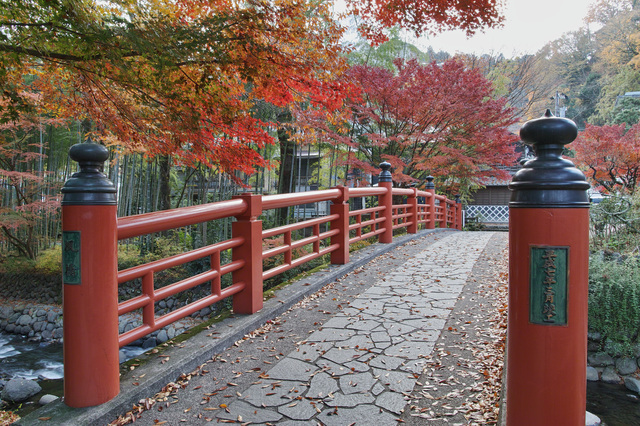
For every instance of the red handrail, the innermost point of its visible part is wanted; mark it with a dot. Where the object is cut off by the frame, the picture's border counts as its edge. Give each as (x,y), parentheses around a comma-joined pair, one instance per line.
(147,223)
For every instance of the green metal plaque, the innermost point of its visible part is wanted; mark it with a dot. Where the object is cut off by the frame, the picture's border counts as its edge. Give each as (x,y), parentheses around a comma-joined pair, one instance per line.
(548,285)
(71,257)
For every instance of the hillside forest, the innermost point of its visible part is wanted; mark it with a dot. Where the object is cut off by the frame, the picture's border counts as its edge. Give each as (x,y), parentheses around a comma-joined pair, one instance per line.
(198,100)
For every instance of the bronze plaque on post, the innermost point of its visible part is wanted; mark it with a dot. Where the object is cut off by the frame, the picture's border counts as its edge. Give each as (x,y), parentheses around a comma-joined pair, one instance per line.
(71,257)
(548,285)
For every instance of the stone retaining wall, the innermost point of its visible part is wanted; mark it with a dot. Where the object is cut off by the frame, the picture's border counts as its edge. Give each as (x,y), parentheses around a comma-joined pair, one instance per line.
(44,323)
(36,321)
(44,289)
(601,366)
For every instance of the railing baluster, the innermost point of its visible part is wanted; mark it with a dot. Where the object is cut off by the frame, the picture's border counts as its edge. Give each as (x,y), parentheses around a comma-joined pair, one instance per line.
(248,227)
(216,283)
(341,207)
(412,201)
(148,311)
(287,243)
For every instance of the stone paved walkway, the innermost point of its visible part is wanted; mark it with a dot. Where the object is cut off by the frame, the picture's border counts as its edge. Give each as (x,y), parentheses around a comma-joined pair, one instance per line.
(363,363)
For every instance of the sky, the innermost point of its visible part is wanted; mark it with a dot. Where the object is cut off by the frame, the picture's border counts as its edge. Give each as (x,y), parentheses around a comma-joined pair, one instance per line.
(528,26)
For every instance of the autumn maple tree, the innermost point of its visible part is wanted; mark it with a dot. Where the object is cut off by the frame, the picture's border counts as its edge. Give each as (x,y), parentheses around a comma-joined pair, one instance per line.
(24,197)
(179,77)
(423,17)
(423,119)
(610,156)
(170,77)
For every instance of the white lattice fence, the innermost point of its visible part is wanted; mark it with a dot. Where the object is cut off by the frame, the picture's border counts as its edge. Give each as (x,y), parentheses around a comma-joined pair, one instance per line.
(489,214)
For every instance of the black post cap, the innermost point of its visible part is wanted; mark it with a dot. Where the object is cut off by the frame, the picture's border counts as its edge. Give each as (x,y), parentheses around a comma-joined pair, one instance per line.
(89,186)
(548,180)
(385,174)
(430,184)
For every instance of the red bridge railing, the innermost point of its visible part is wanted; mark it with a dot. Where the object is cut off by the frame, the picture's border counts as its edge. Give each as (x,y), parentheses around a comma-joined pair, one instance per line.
(91,377)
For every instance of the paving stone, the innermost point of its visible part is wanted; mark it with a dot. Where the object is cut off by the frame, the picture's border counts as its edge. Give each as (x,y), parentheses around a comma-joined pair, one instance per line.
(352,400)
(273,393)
(361,415)
(364,325)
(410,350)
(356,383)
(397,329)
(360,341)
(332,368)
(292,369)
(357,366)
(386,362)
(395,380)
(300,409)
(248,413)
(352,312)
(427,323)
(322,384)
(397,339)
(431,312)
(392,401)
(394,313)
(375,291)
(377,389)
(368,306)
(382,345)
(341,356)
(330,335)
(310,351)
(445,293)
(339,321)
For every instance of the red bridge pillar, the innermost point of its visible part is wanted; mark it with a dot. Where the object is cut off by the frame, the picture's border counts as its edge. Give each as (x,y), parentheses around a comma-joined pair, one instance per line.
(430,187)
(385,181)
(89,277)
(548,282)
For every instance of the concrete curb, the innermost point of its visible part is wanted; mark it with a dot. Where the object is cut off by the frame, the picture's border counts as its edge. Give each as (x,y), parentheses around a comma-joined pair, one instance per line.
(198,349)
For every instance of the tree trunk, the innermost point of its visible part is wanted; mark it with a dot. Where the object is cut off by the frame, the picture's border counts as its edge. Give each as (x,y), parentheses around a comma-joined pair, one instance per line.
(287,169)
(165,189)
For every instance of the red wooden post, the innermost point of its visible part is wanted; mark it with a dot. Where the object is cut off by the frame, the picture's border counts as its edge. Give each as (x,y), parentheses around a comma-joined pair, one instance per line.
(89,277)
(412,200)
(458,213)
(431,189)
(444,207)
(386,200)
(247,226)
(341,208)
(548,282)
